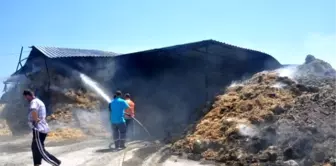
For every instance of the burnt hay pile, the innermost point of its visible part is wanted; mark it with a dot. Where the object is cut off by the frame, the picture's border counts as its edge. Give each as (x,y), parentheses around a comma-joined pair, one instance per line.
(63,120)
(270,120)
(68,99)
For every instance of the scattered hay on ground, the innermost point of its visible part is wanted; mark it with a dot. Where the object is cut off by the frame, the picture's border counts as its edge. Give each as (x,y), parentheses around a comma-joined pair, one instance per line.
(66,134)
(4,128)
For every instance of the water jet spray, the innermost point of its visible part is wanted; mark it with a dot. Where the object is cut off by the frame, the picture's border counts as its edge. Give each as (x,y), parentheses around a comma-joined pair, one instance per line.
(94,85)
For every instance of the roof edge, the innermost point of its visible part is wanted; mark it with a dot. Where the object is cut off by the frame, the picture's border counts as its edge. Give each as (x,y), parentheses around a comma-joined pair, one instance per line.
(198,42)
(81,49)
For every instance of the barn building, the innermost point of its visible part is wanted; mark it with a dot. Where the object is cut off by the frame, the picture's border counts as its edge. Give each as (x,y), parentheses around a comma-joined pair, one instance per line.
(168,84)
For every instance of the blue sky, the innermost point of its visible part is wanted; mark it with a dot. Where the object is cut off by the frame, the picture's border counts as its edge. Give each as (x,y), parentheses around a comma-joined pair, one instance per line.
(286,29)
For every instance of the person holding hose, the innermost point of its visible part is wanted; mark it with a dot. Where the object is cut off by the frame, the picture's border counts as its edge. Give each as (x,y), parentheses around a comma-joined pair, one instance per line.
(37,122)
(117,111)
(129,113)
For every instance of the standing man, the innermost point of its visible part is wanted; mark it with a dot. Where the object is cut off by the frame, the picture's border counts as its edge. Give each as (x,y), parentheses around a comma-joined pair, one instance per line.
(117,109)
(39,125)
(129,113)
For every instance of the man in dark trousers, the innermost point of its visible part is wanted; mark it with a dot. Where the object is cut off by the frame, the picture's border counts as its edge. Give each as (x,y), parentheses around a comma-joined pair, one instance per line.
(117,109)
(37,122)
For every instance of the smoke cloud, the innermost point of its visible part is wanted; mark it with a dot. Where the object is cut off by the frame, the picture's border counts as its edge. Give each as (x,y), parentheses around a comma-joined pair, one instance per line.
(289,71)
(322,45)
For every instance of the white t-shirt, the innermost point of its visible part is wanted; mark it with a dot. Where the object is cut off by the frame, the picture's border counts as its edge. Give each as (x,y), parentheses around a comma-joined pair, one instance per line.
(37,105)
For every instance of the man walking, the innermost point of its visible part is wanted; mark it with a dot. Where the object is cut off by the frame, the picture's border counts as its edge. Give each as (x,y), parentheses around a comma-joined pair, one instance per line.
(39,125)
(117,109)
(129,113)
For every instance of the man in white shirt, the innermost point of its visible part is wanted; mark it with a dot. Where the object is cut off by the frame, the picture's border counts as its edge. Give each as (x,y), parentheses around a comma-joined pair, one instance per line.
(37,122)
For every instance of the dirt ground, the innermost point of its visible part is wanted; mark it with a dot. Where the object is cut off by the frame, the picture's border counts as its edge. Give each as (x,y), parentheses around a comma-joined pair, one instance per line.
(93,152)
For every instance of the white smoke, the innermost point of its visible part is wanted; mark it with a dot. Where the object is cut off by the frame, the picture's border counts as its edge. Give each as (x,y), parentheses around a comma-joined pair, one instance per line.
(96,121)
(247,130)
(235,84)
(289,71)
(278,85)
(58,89)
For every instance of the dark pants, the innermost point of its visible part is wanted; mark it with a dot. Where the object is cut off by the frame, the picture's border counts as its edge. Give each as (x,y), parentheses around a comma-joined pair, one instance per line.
(129,127)
(119,134)
(39,151)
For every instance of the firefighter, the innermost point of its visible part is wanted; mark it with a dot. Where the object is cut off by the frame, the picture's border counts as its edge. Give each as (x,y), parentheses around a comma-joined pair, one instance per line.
(117,108)
(129,114)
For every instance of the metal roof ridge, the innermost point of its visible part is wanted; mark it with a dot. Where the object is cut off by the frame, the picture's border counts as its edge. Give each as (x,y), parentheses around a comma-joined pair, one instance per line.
(198,42)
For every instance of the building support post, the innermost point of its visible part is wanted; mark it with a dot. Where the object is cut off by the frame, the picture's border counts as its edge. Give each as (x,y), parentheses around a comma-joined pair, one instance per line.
(17,67)
(19,63)
(48,102)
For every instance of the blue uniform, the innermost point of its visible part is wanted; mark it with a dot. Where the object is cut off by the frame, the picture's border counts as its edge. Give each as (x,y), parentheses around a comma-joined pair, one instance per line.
(118,107)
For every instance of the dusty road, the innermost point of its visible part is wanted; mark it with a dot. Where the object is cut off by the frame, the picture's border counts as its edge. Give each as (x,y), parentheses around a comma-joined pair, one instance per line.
(94,152)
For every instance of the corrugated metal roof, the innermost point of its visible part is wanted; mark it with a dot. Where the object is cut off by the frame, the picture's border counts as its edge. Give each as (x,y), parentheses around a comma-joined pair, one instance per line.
(54,52)
(184,46)
(193,45)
